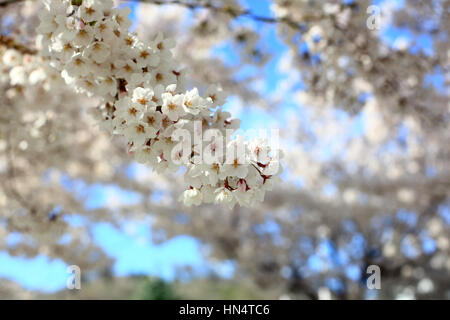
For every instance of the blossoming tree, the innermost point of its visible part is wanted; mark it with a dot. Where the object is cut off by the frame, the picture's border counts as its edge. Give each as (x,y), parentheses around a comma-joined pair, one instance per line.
(83,99)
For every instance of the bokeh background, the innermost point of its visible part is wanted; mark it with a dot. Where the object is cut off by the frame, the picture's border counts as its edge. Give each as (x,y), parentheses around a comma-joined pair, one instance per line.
(364,120)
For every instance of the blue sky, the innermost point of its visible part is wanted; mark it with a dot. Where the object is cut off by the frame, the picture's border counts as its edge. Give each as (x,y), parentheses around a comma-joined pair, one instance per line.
(131,246)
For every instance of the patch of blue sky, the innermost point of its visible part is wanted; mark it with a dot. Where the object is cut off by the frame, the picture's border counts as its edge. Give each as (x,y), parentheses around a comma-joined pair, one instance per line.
(224,269)
(349,225)
(394,36)
(102,195)
(325,248)
(343,256)
(353,272)
(13,238)
(409,249)
(430,171)
(255,117)
(287,176)
(444,212)
(65,239)
(334,284)
(329,190)
(387,234)
(436,79)
(98,195)
(306,244)
(357,246)
(429,245)
(391,34)
(316,264)
(76,220)
(407,217)
(269,226)
(135,253)
(259,7)
(39,273)
(132,248)
(417,43)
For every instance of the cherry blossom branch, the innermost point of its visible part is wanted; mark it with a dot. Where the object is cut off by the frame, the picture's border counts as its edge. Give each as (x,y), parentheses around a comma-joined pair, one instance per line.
(144,99)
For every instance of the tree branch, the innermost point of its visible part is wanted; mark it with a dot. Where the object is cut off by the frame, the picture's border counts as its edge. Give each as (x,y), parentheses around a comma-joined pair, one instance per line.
(194,6)
(4,3)
(12,44)
(226,9)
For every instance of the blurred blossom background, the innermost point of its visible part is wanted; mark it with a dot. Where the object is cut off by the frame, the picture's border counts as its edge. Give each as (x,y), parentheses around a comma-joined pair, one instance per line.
(362,105)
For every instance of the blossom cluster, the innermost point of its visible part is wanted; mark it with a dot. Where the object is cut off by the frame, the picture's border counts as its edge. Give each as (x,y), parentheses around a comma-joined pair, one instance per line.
(143,98)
